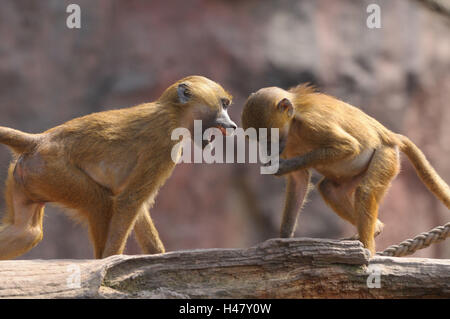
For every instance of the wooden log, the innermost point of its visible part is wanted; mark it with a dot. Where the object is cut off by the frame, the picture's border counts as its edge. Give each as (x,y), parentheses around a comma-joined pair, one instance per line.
(277,268)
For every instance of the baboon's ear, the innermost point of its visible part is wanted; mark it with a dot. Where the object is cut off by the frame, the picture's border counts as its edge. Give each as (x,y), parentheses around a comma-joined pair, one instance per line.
(285,106)
(184,94)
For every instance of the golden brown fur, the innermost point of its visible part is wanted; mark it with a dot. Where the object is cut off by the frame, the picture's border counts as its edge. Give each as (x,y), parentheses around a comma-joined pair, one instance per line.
(107,166)
(357,155)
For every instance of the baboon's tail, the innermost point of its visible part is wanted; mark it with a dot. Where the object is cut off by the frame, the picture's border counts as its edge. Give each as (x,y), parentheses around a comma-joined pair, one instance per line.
(425,171)
(17,140)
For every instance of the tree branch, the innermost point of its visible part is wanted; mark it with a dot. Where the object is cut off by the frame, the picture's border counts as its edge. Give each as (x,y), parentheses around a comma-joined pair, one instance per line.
(277,268)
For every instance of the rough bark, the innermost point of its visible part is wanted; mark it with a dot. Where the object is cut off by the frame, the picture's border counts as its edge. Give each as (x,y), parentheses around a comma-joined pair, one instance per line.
(277,268)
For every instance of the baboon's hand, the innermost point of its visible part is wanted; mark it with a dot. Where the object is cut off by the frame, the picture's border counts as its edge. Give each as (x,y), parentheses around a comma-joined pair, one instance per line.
(284,167)
(271,163)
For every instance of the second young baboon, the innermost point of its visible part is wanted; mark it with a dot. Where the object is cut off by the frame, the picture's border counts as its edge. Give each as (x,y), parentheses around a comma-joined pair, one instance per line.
(107,166)
(357,155)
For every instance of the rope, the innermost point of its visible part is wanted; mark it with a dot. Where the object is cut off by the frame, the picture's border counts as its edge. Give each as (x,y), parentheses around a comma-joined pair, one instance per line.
(421,241)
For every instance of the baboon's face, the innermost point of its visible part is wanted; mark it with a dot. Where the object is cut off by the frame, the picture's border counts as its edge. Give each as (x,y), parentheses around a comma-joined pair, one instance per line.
(207,102)
(269,108)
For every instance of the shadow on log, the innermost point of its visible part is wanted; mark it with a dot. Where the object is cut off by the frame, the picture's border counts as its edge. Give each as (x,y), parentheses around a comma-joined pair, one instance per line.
(277,268)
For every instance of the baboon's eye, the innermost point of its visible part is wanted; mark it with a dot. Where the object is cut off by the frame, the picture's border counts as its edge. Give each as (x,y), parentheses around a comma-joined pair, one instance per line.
(225,103)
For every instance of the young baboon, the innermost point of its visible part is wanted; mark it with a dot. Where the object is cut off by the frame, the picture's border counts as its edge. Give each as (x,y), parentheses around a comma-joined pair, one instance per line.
(357,155)
(108,166)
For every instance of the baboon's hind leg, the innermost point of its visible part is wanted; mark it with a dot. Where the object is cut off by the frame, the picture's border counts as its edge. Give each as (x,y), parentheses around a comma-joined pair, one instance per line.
(93,202)
(21,229)
(381,171)
(341,198)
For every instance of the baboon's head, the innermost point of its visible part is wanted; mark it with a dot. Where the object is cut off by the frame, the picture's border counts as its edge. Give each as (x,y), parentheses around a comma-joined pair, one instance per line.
(269,108)
(202,99)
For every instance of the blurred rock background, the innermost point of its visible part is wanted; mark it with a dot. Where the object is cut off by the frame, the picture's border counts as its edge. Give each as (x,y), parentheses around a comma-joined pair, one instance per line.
(128,52)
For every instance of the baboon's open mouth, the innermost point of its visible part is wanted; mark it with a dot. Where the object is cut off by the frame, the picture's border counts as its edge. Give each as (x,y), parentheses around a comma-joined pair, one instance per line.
(223,130)
(208,139)
(211,137)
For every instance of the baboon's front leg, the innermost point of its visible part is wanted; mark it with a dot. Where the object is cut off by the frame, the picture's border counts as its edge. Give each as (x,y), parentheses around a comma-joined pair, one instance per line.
(146,233)
(296,191)
(122,221)
(126,209)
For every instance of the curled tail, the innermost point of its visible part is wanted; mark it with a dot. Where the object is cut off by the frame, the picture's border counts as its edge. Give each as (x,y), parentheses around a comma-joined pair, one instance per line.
(426,172)
(17,140)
